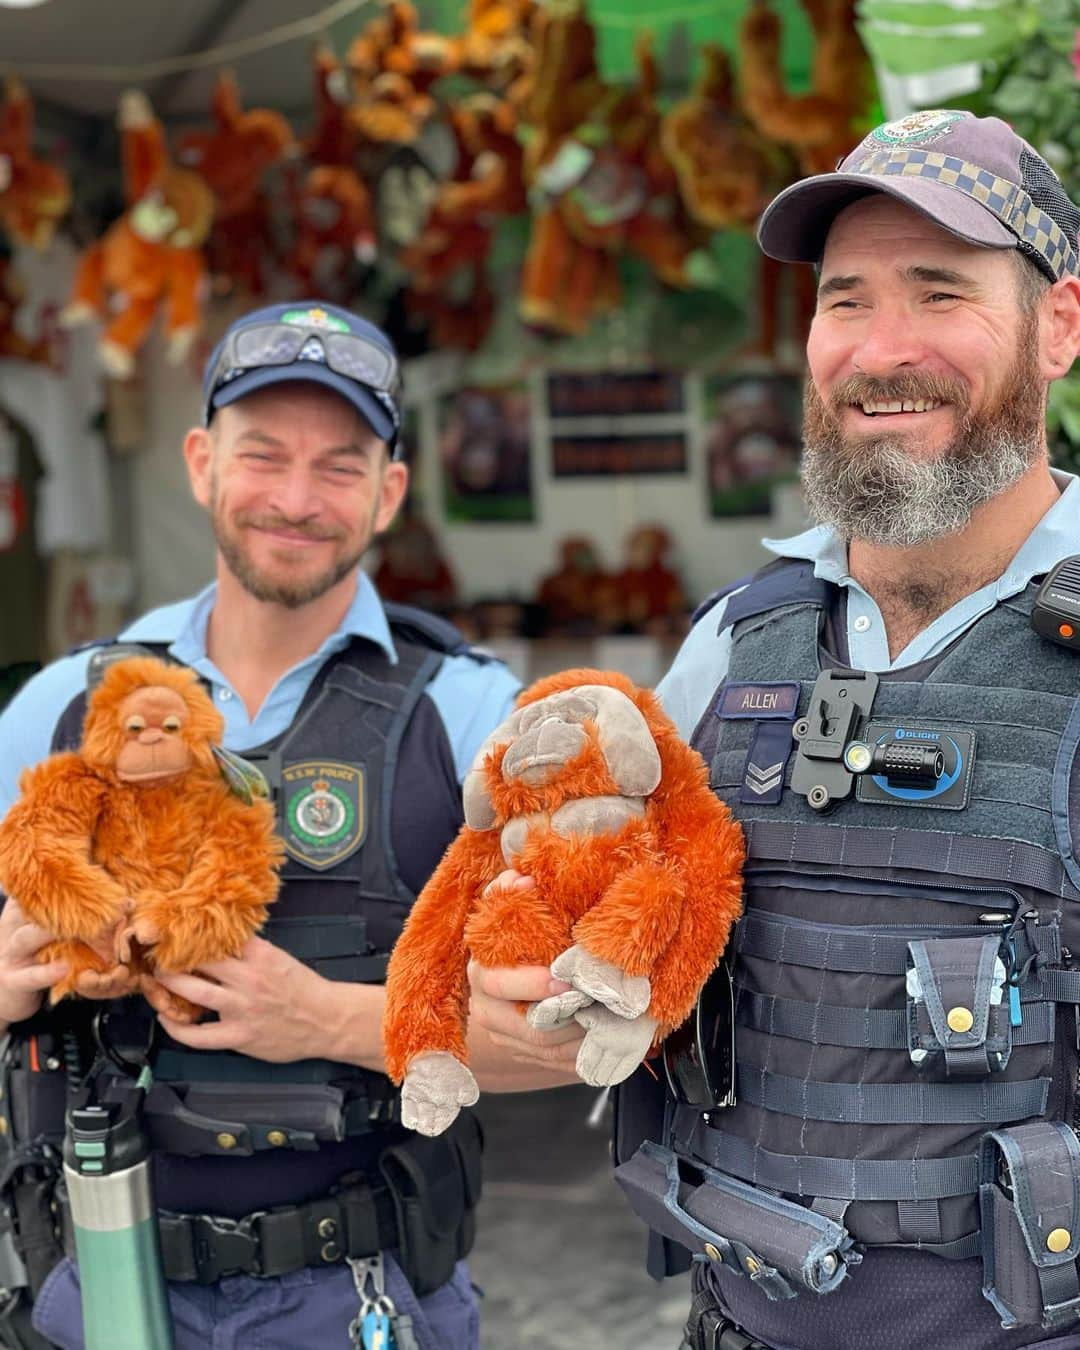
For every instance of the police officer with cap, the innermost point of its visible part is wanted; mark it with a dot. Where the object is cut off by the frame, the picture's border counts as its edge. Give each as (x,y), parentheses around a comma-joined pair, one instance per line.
(900,1168)
(280,1157)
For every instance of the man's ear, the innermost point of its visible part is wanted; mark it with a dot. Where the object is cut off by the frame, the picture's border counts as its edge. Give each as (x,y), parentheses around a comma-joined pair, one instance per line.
(198,454)
(1060,327)
(395,483)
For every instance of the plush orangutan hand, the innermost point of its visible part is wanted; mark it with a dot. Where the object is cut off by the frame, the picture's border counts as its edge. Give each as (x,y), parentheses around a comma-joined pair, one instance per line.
(134,851)
(587,789)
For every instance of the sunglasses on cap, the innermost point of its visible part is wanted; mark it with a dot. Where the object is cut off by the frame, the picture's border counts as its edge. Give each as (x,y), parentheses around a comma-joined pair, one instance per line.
(280,344)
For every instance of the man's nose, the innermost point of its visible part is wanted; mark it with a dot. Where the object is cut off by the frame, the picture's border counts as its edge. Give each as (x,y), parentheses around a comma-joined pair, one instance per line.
(295,495)
(888,342)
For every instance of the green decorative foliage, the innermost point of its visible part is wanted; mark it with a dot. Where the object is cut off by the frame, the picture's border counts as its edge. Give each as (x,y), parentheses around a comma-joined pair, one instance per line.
(912,37)
(1036,90)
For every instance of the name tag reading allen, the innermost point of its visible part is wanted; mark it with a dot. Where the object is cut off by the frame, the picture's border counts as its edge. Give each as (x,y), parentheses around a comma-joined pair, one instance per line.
(757,701)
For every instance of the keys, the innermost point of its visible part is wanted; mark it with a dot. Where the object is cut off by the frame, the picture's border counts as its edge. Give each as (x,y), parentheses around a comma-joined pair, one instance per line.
(375,1333)
(377,1326)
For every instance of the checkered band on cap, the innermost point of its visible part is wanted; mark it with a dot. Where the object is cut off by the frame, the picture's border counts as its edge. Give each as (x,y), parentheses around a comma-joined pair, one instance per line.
(1007,201)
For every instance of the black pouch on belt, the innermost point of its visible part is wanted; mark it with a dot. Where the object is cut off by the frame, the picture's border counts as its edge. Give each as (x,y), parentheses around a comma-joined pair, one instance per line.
(1030,1203)
(435,1185)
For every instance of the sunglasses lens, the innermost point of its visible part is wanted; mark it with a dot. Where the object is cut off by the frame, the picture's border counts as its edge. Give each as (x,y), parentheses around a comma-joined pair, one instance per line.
(268,345)
(361,361)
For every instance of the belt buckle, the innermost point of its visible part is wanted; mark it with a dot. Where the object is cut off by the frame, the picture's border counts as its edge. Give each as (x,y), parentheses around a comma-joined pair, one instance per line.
(225,1246)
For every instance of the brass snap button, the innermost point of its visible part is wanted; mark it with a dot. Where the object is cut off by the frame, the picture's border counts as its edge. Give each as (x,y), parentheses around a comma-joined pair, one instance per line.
(1058,1240)
(330,1251)
(713,1253)
(226,1140)
(277,1138)
(960,1019)
(327,1228)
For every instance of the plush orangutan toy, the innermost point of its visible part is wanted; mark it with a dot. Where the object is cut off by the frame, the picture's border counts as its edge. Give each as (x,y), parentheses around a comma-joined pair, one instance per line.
(135,851)
(587,789)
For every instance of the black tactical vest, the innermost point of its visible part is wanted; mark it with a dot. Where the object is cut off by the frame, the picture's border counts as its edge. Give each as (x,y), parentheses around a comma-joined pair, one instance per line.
(904,981)
(340,909)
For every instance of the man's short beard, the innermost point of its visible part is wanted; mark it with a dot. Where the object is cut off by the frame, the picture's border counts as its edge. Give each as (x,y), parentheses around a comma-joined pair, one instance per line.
(289,594)
(874,489)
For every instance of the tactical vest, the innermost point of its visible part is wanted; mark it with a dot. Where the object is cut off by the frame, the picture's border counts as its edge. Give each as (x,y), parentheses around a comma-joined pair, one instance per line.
(340,909)
(906,1044)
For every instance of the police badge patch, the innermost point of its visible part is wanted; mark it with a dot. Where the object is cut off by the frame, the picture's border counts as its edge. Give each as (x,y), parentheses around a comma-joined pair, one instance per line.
(323,813)
(918,128)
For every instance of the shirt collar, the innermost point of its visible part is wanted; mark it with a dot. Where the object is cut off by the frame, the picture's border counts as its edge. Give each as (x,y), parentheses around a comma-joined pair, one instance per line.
(183,626)
(1055,536)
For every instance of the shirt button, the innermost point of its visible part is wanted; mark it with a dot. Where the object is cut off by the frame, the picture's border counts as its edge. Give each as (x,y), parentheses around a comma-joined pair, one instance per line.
(224,695)
(861,624)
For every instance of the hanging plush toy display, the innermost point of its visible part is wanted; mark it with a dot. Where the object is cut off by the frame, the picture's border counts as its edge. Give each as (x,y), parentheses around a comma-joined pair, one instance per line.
(820,125)
(34,195)
(635,866)
(233,159)
(600,183)
(448,272)
(151,256)
(146,850)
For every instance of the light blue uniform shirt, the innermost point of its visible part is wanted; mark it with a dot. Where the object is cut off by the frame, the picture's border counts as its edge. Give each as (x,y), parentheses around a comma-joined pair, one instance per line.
(472,699)
(702,661)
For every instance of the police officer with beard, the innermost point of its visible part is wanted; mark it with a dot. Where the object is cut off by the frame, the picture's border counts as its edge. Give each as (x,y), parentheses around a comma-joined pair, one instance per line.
(279,1153)
(900,1167)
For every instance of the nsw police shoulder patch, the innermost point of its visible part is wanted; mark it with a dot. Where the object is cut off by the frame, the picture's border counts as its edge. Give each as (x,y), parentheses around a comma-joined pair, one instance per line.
(323,812)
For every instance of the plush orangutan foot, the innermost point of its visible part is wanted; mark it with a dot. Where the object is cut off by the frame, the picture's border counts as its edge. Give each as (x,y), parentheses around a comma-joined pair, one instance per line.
(115,983)
(613,1046)
(89,972)
(435,1088)
(168,1004)
(626,995)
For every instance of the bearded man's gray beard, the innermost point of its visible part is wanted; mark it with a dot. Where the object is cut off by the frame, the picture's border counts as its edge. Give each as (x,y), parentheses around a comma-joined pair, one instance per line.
(873,489)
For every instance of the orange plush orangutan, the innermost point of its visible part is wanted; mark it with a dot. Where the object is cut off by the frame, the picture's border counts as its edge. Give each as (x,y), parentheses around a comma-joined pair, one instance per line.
(586,789)
(34,195)
(151,254)
(135,851)
(234,158)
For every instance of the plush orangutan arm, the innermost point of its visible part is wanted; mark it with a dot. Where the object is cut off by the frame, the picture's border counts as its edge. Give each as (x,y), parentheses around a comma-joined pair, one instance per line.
(45,851)
(669,920)
(797,119)
(427,990)
(223,899)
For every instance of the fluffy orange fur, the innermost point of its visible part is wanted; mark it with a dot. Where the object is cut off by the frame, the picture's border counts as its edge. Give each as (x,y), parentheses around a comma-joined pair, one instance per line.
(134,878)
(657,898)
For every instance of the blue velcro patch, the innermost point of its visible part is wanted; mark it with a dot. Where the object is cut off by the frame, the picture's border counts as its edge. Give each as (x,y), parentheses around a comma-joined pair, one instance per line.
(766,760)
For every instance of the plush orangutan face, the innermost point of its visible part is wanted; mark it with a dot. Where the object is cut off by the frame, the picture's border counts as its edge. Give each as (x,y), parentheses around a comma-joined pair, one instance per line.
(154,748)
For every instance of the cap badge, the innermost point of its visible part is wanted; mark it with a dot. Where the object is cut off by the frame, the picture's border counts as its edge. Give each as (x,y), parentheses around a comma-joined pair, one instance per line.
(315,318)
(918,128)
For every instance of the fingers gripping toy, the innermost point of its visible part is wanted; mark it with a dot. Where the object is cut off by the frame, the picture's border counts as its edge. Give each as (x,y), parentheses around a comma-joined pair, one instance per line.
(135,851)
(587,789)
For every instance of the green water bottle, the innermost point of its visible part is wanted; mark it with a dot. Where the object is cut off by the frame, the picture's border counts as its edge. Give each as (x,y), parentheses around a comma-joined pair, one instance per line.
(125,1304)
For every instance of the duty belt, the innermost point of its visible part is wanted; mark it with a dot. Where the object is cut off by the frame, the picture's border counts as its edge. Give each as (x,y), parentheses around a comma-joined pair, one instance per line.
(358,1220)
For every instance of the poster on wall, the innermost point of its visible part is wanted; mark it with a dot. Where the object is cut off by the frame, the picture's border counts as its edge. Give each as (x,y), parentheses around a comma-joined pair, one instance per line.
(631,393)
(484,439)
(752,439)
(580,454)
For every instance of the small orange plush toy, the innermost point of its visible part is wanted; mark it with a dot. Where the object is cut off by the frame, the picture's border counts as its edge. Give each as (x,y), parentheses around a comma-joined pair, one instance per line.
(145,850)
(151,255)
(636,869)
